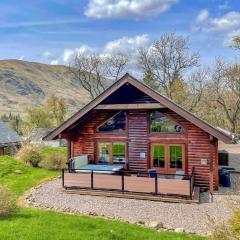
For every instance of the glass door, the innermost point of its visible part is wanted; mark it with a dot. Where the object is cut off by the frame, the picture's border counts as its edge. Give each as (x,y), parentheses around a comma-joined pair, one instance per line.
(159,157)
(176,158)
(103,152)
(167,158)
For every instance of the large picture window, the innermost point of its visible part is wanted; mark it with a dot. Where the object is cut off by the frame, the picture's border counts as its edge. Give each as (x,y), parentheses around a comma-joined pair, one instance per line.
(116,123)
(162,124)
(112,153)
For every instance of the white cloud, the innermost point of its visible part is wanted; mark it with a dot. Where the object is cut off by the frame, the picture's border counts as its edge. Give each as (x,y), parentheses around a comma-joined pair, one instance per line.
(22,57)
(51,22)
(128,45)
(54,62)
(124,45)
(127,8)
(224,6)
(202,16)
(47,54)
(67,54)
(226,23)
(228,40)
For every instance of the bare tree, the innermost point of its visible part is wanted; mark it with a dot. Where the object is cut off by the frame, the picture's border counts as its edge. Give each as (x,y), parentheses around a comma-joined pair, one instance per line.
(115,65)
(167,60)
(236,42)
(226,87)
(196,86)
(95,73)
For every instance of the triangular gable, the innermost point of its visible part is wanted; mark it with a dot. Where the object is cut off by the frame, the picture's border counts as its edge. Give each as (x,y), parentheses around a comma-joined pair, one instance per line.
(151,93)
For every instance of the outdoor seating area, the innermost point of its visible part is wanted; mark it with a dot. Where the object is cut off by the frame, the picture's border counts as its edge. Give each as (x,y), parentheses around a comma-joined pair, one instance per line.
(129,182)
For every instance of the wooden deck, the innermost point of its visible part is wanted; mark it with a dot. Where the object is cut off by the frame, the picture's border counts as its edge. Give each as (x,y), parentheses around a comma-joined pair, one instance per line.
(142,187)
(158,198)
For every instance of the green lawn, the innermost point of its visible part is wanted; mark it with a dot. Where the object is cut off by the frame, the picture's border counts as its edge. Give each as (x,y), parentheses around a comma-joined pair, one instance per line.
(48,150)
(33,224)
(20,182)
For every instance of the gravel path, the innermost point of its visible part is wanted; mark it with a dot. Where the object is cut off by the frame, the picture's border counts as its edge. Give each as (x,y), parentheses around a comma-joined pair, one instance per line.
(192,218)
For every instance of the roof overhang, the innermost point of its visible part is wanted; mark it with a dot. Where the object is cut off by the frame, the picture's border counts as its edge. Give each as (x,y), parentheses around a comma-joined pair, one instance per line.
(164,101)
(9,144)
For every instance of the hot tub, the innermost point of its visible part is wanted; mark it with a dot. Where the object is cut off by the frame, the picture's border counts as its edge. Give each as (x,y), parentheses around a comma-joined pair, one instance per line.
(99,168)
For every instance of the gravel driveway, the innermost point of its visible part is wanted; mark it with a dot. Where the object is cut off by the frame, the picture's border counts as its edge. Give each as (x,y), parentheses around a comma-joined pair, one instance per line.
(192,218)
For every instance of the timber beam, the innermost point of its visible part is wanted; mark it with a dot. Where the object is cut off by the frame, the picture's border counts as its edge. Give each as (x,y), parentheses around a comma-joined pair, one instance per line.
(129,106)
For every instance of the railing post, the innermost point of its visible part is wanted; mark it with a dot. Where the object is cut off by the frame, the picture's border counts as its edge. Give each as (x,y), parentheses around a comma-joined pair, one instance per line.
(122,181)
(156,184)
(92,179)
(191,183)
(191,187)
(63,177)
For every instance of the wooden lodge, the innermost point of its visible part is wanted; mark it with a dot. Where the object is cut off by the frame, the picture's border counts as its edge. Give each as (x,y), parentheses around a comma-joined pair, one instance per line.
(134,126)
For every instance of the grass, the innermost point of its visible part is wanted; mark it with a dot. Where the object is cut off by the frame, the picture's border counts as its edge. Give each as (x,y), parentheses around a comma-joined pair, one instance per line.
(49,150)
(30,224)
(20,182)
(35,224)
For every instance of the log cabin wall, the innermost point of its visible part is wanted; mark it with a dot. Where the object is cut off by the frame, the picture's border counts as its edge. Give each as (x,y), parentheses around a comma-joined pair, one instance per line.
(138,140)
(1,151)
(85,141)
(197,142)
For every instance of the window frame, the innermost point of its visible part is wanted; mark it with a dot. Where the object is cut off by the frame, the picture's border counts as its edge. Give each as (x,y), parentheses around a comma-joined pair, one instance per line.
(98,155)
(111,143)
(167,169)
(152,155)
(165,133)
(113,132)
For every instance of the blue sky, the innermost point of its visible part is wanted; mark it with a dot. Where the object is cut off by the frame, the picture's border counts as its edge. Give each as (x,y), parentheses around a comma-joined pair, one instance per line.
(51,31)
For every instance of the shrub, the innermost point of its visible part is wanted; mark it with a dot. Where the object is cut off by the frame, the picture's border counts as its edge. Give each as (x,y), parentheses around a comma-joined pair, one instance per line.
(30,154)
(230,231)
(55,161)
(8,204)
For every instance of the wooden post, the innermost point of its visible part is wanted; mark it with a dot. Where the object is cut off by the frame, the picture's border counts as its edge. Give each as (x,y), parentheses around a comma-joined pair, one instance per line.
(122,181)
(63,177)
(92,179)
(156,184)
(211,175)
(69,149)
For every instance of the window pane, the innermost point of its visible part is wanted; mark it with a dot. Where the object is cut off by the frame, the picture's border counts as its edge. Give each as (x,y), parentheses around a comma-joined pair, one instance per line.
(119,152)
(160,123)
(104,152)
(114,124)
(176,157)
(158,156)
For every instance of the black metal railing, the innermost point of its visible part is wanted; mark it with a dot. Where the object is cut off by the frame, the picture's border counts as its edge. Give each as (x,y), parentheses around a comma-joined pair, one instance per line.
(141,173)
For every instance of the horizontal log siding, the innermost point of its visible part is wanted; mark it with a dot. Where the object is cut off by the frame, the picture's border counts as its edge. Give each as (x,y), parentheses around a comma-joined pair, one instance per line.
(85,141)
(138,137)
(1,151)
(198,147)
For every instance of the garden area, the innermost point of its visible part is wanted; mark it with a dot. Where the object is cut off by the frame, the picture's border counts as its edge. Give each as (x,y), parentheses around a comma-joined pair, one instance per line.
(17,222)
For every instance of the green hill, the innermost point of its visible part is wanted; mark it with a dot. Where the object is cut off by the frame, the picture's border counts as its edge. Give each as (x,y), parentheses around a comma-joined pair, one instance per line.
(25,84)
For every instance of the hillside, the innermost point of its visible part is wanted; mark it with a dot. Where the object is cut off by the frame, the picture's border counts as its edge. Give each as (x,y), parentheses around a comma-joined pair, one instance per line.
(26,84)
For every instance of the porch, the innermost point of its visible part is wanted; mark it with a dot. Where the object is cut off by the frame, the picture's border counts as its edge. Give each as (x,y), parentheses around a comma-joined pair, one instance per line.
(132,184)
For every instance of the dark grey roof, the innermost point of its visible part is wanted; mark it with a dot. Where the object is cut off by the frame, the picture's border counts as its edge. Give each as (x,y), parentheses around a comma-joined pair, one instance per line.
(8,136)
(38,134)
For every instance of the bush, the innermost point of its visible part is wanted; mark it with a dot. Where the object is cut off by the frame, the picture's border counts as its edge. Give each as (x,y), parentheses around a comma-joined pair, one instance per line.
(55,161)
(230,231)
(8,204)
(30,154)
